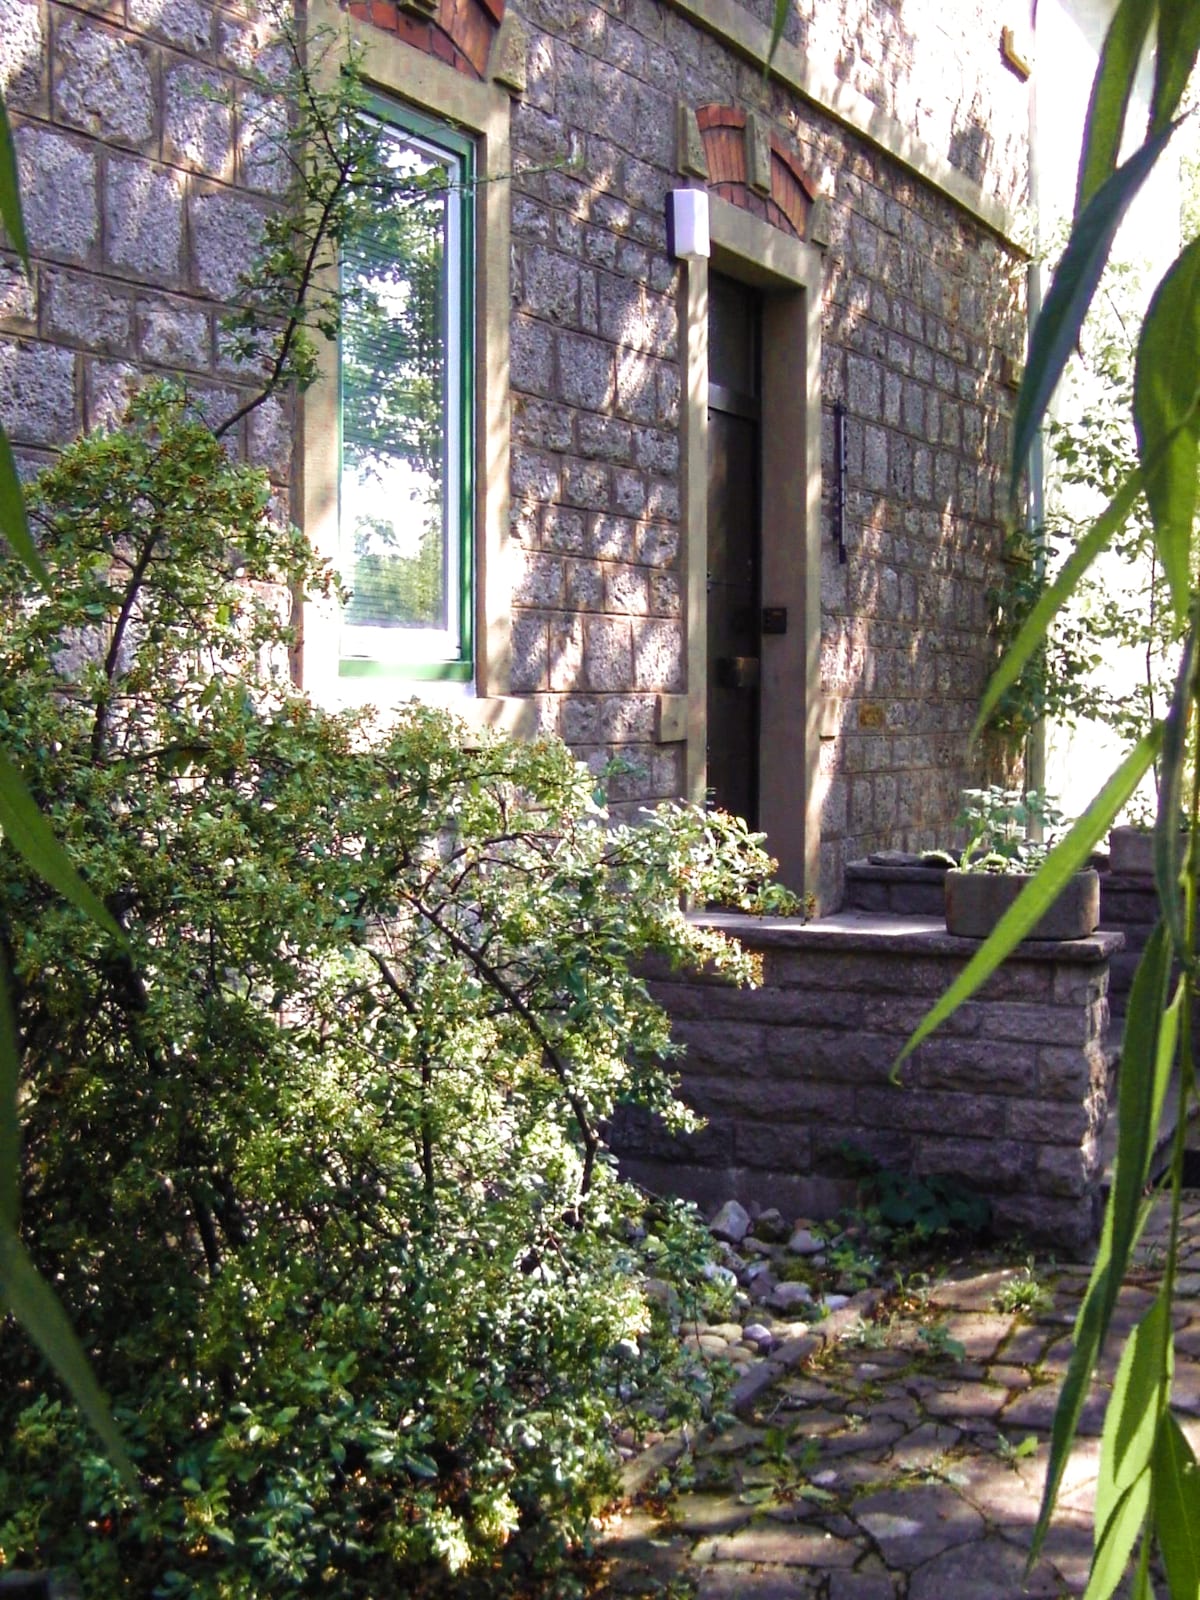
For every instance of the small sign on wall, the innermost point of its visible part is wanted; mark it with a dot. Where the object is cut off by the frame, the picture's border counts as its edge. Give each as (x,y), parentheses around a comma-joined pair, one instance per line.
(1016,46)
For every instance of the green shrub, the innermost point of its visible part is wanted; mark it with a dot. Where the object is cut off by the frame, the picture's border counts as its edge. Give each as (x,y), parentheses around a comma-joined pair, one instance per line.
(317,1167)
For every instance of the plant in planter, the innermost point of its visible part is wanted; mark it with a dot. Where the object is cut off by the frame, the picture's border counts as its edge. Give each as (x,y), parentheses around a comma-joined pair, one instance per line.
(999,859)
(1131,843)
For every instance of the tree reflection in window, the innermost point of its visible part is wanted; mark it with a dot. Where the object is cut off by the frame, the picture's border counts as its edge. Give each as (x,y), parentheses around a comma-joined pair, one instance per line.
(402,405)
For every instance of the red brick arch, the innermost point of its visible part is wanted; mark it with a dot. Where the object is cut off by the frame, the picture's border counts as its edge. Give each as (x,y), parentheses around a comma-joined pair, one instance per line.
(459,32)
(723,131)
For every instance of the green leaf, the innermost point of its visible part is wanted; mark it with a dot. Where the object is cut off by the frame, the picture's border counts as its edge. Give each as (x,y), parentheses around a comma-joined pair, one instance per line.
(1177,1509)
(1174,57)
(1113,1549)
(1142,1587)
(1111,89)
(1145,1042)
(1165,391)
(14,524)
(1033,630)
(1066,858)
(1090,1325)
(10,1127)
(10,192)
(1057,328)
(1148,1049)
(37,1308)
(779,18)
(1168,852)
(27,830)
(1134,1407)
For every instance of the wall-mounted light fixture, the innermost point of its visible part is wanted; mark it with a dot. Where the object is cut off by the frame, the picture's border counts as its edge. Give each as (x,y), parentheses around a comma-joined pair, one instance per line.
(687,224)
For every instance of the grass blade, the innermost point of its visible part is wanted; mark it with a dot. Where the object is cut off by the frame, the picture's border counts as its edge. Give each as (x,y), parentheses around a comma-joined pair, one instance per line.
(1066,858)
(1174,57)
(1111,89)
(27,830)
(1057,328)
(37,1308)
(1131,1420)
(1090,1326)
(10,1127)
(1142,1588)
(10,192)
(1034,628)
(1147,1055)
(14,524)
(1165,390)
(1168,851)
(1115,1546)
(778,23)
(1177,1509)
(1149,1047)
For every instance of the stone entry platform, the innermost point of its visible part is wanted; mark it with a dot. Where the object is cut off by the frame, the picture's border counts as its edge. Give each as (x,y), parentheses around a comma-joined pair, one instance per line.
(881,1466)
(1011,1095)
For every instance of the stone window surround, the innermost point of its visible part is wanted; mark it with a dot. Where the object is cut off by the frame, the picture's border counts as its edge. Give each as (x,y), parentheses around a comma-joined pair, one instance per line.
(789,272)
(395,69)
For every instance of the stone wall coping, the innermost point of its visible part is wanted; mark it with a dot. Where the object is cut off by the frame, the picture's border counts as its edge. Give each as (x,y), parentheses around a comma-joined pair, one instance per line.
(871,869)
(733,24)
(1135,882)
(868,871)
(901,935)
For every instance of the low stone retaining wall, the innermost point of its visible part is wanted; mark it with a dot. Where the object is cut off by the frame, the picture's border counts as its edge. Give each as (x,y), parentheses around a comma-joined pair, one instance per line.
(1010,1096)
(899,884)
(1128,901)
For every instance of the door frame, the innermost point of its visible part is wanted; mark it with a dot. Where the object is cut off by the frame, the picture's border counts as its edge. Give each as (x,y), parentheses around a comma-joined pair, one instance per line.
(788,271)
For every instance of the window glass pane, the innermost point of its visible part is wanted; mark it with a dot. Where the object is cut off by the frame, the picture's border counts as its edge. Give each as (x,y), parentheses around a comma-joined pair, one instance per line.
(732,335)
(401,414)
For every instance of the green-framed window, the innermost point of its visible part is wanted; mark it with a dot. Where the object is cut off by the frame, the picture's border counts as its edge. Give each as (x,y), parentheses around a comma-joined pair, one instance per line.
(405,494)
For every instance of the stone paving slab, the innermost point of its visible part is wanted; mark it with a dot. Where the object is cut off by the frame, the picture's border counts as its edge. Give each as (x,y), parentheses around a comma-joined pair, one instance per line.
(869,1462)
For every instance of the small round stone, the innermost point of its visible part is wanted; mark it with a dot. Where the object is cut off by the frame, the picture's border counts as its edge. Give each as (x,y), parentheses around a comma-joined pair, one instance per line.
(731,1223)
(717,1274)
(771,1225)
(786,1295)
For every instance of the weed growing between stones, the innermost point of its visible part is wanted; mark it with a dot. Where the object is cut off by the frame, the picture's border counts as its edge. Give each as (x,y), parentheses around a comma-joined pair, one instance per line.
(1024,1292)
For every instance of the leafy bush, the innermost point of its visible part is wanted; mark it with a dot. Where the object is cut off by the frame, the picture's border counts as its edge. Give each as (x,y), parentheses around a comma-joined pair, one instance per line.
(317,1165)
(906,1208)
(998,823)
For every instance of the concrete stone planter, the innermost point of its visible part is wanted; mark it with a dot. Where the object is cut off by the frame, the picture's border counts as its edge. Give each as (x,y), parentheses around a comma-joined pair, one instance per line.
(1131,850)
(975,902)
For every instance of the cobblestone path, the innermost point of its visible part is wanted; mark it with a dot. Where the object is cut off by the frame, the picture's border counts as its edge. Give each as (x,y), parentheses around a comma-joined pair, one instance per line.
(901,1455)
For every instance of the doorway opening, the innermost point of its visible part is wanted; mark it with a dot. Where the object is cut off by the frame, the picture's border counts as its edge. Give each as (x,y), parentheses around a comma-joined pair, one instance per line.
(734,564)
(752,319)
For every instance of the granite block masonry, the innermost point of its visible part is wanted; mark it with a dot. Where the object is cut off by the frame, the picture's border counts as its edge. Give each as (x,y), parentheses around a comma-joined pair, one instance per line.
(1010,1095)
(136,133)
(149,156)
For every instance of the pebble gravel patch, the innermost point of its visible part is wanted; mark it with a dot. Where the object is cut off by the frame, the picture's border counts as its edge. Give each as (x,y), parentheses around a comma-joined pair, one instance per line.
(886,1445)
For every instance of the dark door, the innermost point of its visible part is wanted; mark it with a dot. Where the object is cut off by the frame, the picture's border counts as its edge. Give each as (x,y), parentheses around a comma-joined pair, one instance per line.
(734,581)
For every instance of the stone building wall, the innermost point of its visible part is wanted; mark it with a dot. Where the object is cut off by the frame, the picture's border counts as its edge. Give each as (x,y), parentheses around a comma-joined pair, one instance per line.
(146,172)
(923,323)
(146,165)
